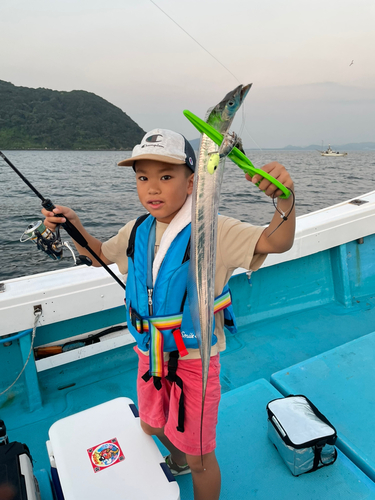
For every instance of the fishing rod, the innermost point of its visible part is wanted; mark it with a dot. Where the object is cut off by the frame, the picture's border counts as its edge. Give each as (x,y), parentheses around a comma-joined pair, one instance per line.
(50,242)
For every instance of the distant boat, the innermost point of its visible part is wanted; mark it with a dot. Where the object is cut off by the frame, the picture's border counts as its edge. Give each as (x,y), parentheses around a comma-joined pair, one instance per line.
(330,152)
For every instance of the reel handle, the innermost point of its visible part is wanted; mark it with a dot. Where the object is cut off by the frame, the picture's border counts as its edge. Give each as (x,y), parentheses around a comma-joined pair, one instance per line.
(83,259)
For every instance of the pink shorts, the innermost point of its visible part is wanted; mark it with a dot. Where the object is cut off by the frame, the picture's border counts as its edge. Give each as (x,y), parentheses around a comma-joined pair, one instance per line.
(160,408)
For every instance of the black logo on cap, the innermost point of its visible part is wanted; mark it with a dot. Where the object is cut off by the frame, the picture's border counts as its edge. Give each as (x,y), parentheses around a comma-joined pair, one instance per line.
(154,138)
(153,141)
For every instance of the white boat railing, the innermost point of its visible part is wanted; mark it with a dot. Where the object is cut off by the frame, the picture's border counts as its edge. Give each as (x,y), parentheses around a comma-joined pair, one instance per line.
(80,291)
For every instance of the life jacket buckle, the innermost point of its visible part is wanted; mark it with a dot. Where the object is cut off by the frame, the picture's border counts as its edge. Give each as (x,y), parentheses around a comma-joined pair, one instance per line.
(134,316)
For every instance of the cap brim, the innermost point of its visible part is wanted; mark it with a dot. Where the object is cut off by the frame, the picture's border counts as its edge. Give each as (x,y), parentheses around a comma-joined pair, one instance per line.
(166,159)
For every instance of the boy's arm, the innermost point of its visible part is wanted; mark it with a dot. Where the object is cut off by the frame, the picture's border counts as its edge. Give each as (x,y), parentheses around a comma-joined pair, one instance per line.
(96,245)
(281,239)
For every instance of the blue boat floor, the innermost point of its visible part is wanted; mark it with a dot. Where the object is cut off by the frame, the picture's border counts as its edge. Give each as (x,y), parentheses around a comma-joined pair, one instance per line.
(255,352)
(261,349)
(253,469)
(341,383)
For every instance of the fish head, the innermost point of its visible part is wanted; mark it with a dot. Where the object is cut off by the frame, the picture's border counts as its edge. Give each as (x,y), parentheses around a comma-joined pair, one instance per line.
(222,114)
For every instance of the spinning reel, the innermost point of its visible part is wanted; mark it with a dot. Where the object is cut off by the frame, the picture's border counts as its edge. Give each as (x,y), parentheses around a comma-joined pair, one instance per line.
(50,242)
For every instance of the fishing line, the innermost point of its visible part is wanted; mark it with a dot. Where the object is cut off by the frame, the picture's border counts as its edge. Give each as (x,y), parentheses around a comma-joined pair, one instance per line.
(217,60)
(283,215)
(243,124)
(196,41)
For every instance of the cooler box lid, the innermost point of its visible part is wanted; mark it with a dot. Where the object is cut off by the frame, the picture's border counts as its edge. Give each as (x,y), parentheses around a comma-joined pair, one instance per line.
(102,452)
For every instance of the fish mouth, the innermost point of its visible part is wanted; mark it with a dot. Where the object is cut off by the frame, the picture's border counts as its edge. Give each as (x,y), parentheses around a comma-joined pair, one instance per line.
(239,93)
(244,90)
(227,108)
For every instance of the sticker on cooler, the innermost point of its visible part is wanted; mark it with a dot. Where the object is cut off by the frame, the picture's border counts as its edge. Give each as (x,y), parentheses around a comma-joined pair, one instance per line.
(105,455)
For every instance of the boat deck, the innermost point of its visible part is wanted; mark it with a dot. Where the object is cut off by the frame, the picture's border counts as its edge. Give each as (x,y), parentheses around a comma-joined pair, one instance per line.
(301,312)
(341,382)
(253,355)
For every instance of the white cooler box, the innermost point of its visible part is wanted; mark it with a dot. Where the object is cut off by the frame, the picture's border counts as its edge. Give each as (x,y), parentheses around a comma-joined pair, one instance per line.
(102,452)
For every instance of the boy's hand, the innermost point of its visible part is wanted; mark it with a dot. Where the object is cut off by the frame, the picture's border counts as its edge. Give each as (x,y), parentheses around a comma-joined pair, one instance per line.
(278,172)
(51,221)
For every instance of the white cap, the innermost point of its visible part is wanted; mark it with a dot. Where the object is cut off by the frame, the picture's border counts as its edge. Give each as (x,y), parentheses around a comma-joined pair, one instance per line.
(162,145)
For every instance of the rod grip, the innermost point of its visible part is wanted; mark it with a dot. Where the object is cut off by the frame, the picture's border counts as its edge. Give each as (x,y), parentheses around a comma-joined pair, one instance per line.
(80,239)
(44,352)
(68,226)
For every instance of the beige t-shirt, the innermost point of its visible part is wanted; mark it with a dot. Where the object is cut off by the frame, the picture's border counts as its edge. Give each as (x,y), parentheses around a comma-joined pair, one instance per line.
(236,243)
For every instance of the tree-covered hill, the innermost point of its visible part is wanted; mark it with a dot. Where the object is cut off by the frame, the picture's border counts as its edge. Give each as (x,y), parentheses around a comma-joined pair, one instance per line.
(42,118)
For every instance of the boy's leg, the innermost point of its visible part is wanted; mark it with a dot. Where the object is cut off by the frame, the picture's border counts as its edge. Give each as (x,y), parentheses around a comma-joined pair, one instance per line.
(206,476)
(177,455)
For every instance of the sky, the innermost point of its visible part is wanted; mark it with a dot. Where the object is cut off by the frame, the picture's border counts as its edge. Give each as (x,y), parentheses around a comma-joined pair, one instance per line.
(296,53)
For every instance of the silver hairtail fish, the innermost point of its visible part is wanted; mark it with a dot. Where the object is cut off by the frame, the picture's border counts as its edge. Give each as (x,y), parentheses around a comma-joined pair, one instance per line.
(206,193)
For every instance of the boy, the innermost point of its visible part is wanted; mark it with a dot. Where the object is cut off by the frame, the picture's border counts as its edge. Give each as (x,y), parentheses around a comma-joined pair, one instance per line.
(164,164)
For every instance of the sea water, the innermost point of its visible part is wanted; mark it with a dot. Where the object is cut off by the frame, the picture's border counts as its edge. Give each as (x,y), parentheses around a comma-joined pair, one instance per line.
(104,195)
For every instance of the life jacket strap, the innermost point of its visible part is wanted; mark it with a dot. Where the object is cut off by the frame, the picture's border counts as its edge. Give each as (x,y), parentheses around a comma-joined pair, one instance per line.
(173,321)
(155,325)
(157,380)
(174,378)
(156,352)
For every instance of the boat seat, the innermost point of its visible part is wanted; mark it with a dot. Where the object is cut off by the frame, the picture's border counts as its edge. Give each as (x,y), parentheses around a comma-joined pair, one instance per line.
(102,452)
(341,382)
(251,467)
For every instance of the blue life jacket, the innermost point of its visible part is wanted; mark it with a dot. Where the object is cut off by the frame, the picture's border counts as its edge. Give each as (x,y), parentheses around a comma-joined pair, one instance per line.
(170,289)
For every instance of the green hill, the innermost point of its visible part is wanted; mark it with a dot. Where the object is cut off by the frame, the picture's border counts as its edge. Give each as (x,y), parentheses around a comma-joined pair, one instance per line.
(42,118)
